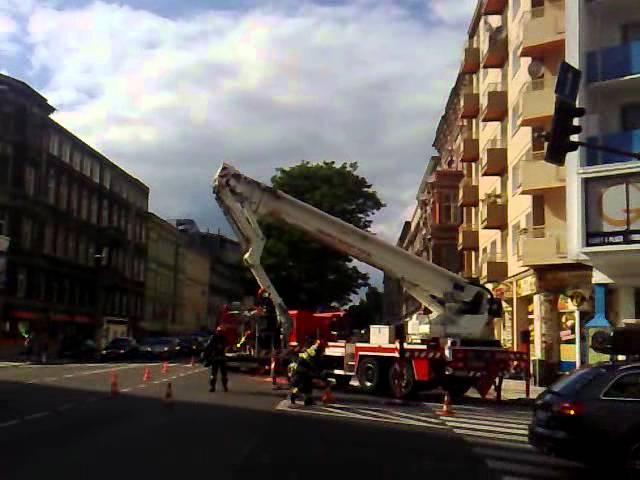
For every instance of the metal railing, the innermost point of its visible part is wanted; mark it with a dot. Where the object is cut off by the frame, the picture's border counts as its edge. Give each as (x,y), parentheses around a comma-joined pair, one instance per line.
(541,232)
(493,143)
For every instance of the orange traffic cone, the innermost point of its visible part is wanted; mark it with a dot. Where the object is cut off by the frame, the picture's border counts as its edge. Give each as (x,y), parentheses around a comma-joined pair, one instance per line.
(165,367)
(327,396)
(446,411)
(147,375)
(168,395)
(114,385)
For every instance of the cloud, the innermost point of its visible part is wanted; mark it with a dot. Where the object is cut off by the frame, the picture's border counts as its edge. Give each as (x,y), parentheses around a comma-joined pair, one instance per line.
(169,99)
(452,12)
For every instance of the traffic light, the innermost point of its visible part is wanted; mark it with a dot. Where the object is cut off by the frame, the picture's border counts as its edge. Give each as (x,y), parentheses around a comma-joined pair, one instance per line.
(562,128)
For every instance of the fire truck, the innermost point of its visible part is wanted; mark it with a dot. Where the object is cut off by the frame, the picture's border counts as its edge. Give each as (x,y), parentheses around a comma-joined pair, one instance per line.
(450,347)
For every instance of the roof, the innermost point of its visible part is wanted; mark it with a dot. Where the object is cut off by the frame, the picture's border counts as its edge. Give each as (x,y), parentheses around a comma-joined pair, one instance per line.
(27,91)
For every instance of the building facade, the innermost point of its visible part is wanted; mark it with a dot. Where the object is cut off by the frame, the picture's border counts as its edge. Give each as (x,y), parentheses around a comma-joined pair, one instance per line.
(193,289)
(72,223)
(603,40)
(162,275)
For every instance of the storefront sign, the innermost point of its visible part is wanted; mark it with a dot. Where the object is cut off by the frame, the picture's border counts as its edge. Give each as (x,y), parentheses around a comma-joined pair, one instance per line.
(503,291)
(613,210)
(526,286)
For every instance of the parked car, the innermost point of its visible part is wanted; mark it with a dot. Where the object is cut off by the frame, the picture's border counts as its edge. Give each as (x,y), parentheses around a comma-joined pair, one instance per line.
(189,346)
(120,348)
(77,349)
(592,415)
(161,348)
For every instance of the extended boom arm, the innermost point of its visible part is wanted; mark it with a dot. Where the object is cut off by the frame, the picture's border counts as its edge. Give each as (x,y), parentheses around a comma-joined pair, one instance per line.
(463,308)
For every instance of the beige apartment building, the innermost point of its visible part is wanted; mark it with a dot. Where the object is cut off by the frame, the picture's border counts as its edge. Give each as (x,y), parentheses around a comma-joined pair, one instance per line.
(511,209)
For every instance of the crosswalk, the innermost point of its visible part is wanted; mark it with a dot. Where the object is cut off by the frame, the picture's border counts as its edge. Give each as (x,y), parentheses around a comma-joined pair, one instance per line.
(497,435)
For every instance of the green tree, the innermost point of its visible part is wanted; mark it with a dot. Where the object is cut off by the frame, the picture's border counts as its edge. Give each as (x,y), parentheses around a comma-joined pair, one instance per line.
(368,311)
(307,274)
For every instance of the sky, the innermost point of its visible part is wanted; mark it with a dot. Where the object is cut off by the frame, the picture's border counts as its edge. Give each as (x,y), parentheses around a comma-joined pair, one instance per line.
(170,89)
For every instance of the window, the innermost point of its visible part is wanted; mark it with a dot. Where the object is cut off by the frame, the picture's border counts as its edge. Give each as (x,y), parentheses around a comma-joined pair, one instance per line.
(91,254)
(82,250)
(54,144)
(61,243)
(48,239)
(63,194)
(448,208)
(123,220)
(94,209)
(631,32)
(29,180)
(493,248)
(26,237)
(516,60)
(626,387)
(104,216)
(75,209)
(21,290)
(72,246)
(106,177)
(631,117)
(516,181)
(95,170)
(84,204)
(77,159)
(515,238)
(66,151)
(4,222)
(537,140)
(86,165)
(114,216)
(51,187)
(537,202)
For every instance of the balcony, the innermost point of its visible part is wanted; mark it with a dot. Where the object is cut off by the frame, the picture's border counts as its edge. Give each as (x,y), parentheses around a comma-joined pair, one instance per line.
(470,150)
(468,237)
(543,30)
(540,247)
(495,268)
(470,268)
(470,105)
(494,213)
(494,7)
(495,102)
(614,62)
(494,158)
(470,60)
(628,141)
(537,175)
(497,52)
(469,195)
(538,101)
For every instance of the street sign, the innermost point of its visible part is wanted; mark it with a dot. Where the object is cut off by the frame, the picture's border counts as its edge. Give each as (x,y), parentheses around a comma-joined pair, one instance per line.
(568,82)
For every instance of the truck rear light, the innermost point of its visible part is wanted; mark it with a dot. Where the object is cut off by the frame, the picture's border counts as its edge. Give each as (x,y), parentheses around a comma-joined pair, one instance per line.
(569,409)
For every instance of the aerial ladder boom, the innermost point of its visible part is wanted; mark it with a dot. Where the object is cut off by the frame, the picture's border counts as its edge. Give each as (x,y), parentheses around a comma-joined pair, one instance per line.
(459,308)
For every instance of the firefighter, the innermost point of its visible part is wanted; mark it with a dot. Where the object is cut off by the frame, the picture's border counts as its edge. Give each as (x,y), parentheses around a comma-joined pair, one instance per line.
(304,370)
(213,357)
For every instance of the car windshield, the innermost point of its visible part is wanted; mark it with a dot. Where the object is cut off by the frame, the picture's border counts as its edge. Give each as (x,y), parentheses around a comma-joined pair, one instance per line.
(572,383)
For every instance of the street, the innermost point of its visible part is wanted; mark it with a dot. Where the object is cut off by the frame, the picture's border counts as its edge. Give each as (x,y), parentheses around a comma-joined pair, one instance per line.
(62,420)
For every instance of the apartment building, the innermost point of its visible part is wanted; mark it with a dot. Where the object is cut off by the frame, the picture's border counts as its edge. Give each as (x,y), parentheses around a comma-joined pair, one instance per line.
(72,225)
(603,190)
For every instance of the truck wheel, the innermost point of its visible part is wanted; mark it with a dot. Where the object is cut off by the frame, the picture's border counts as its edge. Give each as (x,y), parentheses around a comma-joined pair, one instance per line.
(402,380)
(369,375)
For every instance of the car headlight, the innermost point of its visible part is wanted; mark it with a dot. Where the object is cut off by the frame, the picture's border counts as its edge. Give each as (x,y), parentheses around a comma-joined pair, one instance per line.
(103,352)
(121,351)
(178,348)
(166,349)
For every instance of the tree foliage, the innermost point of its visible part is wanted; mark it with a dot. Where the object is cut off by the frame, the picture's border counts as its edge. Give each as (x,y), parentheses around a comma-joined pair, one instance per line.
(307,274)
(368,311)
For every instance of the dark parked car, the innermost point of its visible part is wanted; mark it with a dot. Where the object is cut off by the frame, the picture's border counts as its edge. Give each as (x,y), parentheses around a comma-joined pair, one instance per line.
(120,348)
(189,347)
(162,348)
(592,415)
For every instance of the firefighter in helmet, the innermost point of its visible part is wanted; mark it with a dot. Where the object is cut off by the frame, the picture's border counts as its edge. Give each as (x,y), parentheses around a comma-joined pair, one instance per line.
(214,357)
(304,370)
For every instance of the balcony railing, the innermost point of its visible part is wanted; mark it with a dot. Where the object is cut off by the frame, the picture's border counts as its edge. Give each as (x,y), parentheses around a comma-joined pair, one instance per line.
(494,158)
(539,246)
(627,141)
(469,237)
(538,101)
(497,51)
(543,29)
(494,101)
(537,175)
(469,195)
(470,60)
(494,7)
(614,62)
(470,105)
(493,214)
(494,267)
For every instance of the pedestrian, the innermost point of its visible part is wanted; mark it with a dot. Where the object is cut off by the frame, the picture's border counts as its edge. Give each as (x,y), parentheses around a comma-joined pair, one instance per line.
(304,370)
(213,357)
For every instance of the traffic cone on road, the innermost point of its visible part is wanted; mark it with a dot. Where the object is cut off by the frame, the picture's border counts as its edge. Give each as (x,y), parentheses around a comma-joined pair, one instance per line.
(114,385)
(446,411)
(168,395)
(165,367)
(147,375)
(327,396)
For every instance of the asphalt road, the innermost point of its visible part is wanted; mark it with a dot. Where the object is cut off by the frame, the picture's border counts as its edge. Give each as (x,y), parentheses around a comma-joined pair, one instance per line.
(62,422)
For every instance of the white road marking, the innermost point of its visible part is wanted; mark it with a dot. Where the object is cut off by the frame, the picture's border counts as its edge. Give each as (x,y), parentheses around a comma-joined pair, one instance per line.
(69,375)
(502,436)
(9,423)
(125,389)
(36,415)
(490,428)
